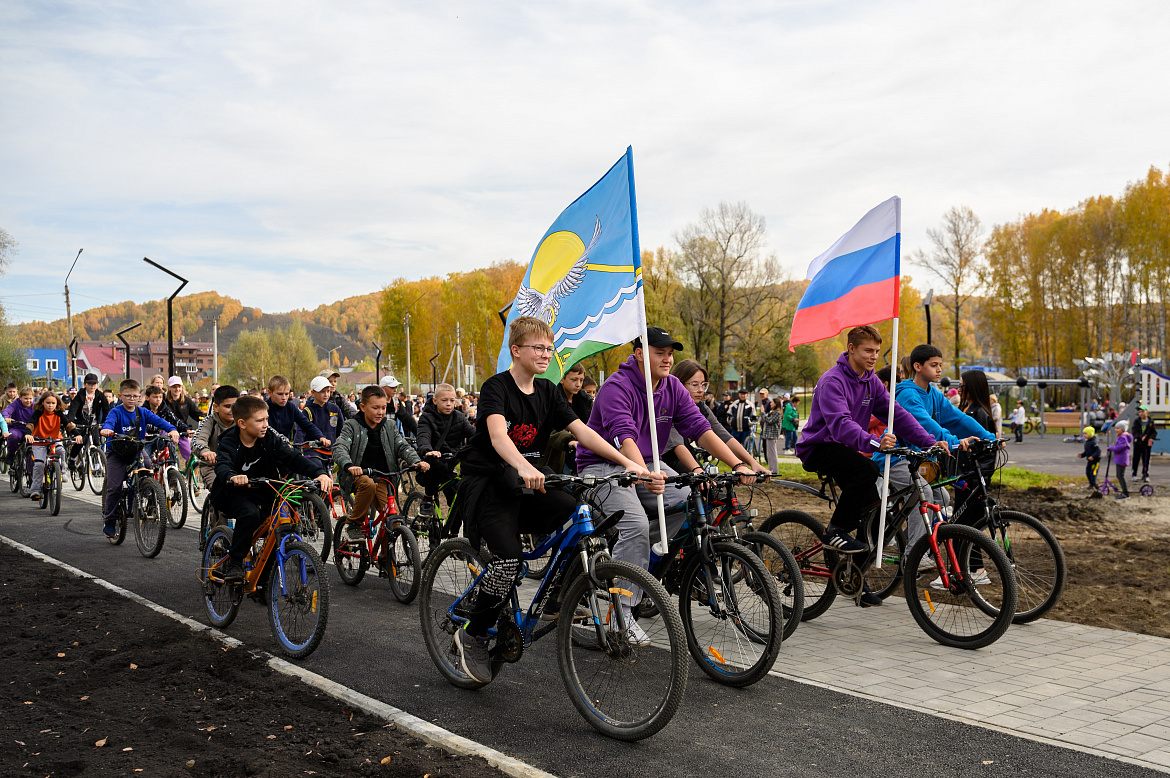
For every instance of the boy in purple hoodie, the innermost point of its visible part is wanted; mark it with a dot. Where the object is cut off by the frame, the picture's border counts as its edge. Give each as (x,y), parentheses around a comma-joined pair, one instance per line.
(846,396)
(619,416)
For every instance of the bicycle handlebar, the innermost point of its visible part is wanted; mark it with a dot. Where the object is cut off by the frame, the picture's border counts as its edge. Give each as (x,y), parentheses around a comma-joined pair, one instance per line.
(622,479)
(372,473)
(309,484)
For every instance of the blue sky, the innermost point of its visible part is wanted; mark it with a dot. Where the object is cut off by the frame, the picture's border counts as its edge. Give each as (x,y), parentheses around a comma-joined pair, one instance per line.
(290,154)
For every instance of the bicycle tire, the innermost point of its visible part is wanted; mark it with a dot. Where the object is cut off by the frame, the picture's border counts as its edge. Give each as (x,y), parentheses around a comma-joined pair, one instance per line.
(14,475)
(151,516)
(350,557)
(53,489)
(785,569)
(801,534)
(752,600)
(537,568)
(77,473)
(298,617)
(403,564)
(425,529)
(221,600)
(176,496)
(884,582)
(589,673)
(43,503)
(445,594)
(26,474)
(313,526)
(955,617)
(1037,560)
(119,524)
(96,475)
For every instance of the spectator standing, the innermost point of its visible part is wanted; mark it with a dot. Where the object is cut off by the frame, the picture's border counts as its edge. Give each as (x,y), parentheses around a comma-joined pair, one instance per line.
(740,416)
(791,423)
(1145,432)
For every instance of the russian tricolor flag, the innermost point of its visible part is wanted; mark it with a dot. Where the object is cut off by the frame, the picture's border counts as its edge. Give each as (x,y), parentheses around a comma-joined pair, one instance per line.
(856,281)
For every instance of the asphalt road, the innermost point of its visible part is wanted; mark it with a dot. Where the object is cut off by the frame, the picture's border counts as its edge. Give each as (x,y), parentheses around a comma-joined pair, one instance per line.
(373,644)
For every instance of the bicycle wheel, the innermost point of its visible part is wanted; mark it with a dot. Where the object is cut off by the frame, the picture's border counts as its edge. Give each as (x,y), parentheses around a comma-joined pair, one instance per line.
(1036,558)
(221,600)
(785,569)
(537,568)
(350,557)
(96,465)
(26,474)
(150,516)
(801,534)
(298,600)
(733,621)
(446,593)
(884,582)
(53,488)
(119,524)
(966,615)
(197,493)
(403,564)
(421,526)
(176,496)
(14,475)
(46,485)
(314,527)
(77,472)
(623,690)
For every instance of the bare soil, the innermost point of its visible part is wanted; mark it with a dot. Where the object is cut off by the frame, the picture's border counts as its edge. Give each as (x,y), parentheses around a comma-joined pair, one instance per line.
(1118,552)
(97,685)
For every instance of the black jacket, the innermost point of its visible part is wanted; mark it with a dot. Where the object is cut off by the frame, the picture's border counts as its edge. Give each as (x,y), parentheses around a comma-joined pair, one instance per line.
(430,427)
(403,414)
(276,456)
(100,408)
(1144,433)
(185,410)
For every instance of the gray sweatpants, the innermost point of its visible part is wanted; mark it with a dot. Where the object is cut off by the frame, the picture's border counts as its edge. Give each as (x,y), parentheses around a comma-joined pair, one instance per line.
(900,479)
(637,530)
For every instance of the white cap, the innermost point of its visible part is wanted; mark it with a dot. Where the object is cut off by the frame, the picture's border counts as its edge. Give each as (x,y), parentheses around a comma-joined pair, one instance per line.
(175,381)
(389,381)
(319,383)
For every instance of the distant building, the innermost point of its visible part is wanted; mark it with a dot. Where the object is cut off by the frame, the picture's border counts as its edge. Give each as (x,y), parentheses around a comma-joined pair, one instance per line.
(194,360)
(107,362)
(48,367)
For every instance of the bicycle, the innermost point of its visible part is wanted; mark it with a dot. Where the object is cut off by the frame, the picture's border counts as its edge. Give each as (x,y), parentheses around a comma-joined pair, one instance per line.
(142,498)
(170,479)
(965,612)
(337,501)
(624,690)
(281,570)
(53,478)
(731,520)
(731,611)
(197,493)
(89,458)
(20,471)
(387,542)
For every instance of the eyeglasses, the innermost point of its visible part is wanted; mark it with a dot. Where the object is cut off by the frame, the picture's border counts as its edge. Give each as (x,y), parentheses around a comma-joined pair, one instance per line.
(540,351)
(697,385)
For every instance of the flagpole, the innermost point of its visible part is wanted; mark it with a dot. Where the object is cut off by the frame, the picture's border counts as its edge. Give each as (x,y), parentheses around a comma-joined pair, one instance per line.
(889,429)
(661,546)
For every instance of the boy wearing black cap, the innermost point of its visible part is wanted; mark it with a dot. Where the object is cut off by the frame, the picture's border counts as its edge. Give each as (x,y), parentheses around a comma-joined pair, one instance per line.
(86,409)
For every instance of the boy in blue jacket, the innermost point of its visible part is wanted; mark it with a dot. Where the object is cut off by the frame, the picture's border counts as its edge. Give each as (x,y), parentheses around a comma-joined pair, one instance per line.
(283,416)
(126,418)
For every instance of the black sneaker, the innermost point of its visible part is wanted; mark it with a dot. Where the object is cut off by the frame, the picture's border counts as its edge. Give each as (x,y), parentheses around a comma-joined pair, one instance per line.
(840,542)
(868,598)
(426,509)
(1122,497)
(111,529)
(233,572)
(473,656)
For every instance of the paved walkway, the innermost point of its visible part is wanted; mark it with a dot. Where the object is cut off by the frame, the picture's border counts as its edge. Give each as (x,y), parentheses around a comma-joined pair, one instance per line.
(1084,687)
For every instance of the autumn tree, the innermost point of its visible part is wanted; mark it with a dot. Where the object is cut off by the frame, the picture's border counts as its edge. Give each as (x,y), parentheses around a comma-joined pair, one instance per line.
(249,361)
(956,250)
(12,366)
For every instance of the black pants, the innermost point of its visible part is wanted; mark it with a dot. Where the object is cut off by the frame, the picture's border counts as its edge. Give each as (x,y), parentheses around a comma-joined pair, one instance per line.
(249,507)
(501,519)
(854,474)
(1141,454)
(438,475)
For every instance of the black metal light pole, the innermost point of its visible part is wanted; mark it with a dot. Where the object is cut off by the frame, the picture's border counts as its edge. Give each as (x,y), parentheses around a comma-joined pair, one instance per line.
(69,318)
(377,363)
(170,315)
(926,307)
(72,349)
(119,333)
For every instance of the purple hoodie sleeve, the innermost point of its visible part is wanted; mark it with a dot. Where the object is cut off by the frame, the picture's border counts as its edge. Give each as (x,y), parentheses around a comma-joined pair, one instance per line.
(905,425)
(619,417)
(834,408)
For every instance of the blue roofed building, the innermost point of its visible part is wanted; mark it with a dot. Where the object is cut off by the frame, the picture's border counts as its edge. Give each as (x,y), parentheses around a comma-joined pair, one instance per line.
(47,367)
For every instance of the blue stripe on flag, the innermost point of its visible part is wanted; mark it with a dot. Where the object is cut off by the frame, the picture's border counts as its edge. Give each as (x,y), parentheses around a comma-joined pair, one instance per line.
(849,271)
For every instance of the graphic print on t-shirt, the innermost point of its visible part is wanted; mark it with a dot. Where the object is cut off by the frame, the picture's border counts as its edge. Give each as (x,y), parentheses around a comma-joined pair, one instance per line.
(523,434)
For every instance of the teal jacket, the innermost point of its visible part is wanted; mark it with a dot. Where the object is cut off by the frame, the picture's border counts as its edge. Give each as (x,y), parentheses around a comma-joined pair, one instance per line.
(931,409)
(350,447)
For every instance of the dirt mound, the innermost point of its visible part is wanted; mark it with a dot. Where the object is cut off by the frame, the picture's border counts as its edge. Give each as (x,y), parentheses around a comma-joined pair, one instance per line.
(103,686)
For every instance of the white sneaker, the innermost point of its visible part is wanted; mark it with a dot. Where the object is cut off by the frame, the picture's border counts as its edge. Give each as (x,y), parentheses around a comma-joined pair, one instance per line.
(937,583)
(926,564)
(980,578)
(635,634)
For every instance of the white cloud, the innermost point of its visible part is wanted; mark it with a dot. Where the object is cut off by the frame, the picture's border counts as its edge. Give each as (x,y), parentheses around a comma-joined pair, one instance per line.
(349,144)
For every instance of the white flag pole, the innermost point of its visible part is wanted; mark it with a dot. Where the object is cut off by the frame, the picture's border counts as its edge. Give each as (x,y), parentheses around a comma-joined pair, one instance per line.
(889,429)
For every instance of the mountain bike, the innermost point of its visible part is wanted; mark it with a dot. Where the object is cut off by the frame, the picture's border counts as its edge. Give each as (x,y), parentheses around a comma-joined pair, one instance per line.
(20,471)
(53,478)
(171,481)
(624,690)
(89,457)
(386,542)
(957,609)
(281,571)
(337,501)
(143,500)
(728,600)
(197,493)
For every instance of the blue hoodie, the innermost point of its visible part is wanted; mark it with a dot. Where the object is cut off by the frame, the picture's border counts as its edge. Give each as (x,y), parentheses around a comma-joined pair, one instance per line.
(841,407)
(936,414)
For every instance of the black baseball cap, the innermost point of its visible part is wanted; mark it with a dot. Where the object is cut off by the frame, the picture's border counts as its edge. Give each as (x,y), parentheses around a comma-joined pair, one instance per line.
(659,338)
(90,378)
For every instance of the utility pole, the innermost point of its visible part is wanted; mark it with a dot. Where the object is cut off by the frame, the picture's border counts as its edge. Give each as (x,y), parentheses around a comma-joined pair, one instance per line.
(406,325)
(458,355)
(170,315)
(69,319)
(215,352)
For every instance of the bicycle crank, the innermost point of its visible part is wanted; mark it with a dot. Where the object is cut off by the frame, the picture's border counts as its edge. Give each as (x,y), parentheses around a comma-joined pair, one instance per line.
(847,578)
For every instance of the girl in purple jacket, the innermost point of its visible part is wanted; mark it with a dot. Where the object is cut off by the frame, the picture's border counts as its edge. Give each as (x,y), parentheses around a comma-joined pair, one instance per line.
(1120,450)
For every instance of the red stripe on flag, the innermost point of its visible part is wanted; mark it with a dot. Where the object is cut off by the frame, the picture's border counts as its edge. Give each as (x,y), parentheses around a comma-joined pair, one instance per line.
(863,305)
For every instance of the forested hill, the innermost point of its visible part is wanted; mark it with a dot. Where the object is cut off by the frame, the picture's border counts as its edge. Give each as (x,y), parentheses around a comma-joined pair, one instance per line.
(351,322)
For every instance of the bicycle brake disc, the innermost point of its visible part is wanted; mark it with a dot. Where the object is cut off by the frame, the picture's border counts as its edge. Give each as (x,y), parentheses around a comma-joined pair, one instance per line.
(847,578)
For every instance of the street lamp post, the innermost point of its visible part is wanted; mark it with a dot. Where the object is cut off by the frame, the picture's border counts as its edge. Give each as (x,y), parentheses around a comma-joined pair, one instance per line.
(926,307)
(69,319)
(170,315)
(119,333)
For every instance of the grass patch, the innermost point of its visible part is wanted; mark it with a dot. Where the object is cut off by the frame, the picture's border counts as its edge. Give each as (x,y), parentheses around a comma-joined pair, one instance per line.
(1019,478)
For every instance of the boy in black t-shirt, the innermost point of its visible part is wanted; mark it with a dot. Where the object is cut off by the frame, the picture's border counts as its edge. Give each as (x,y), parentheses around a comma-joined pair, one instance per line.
(516,414)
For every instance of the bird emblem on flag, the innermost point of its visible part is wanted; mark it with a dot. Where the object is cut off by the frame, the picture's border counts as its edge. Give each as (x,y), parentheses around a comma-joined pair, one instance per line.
(547,304)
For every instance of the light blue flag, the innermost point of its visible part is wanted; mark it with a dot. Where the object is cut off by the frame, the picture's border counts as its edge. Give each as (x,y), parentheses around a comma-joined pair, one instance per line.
(585,278)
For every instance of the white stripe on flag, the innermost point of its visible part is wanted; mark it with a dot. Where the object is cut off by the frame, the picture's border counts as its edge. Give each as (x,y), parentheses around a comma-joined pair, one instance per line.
(880,224)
